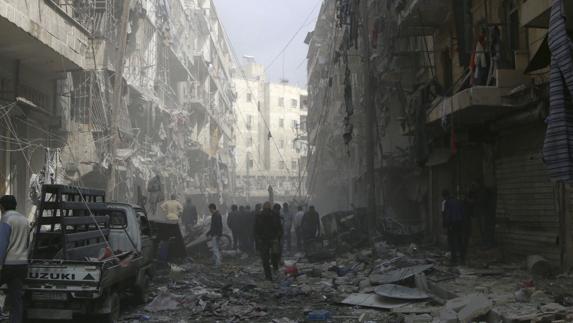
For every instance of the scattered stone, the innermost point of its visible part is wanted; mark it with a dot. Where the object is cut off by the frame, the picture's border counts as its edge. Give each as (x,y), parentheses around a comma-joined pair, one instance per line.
(165,301)
(523,295)
(364,283)
(477,306)
(423,318)
(553,308)
(539,266)
(447,315)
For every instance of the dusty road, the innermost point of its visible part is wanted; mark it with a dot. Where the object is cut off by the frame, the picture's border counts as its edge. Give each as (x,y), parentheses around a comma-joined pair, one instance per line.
(428,290)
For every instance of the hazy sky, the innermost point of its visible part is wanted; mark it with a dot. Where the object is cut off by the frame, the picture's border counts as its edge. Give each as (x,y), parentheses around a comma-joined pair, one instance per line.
(261,28)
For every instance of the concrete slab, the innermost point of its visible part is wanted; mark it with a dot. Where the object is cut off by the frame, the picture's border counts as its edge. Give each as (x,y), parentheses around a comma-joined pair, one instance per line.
(397,275)
(374,301)
(401,292)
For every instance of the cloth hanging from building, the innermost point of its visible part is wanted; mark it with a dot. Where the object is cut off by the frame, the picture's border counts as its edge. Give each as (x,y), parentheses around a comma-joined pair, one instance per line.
(558,145)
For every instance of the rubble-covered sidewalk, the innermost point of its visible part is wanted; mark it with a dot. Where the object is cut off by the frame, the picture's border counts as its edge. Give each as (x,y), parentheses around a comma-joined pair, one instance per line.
(392,284)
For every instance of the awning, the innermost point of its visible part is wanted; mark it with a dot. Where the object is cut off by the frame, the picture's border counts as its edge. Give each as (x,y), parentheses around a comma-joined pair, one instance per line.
(541,58)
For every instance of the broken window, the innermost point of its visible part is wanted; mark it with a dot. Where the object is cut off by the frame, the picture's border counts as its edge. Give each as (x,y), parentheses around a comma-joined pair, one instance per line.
(281,102)
(303,123)
(303,102)
(293,103)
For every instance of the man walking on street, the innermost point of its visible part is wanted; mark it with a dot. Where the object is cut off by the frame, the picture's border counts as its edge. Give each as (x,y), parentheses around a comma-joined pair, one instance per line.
(287,226)
(268,232)
(276,250)
(249,229)
(155,190)
(215,233)
(310,227)
(454,221)
(189,217)
(172,209)
(169,231)
(14,230)
(298,227)
(233,222)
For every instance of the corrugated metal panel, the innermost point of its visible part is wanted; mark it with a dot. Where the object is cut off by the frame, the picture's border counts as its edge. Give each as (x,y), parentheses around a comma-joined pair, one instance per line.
(526,210)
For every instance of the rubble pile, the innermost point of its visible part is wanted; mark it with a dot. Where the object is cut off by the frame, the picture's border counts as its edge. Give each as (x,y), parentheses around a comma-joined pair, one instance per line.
(387,284)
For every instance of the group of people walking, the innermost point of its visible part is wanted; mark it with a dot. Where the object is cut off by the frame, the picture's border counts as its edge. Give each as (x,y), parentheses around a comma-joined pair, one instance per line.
(269,229)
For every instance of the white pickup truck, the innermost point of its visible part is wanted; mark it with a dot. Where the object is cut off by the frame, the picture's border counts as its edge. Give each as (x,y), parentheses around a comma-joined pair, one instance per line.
(85,255)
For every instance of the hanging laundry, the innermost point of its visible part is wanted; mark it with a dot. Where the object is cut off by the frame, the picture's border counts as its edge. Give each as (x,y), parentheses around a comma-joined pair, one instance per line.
(558,145)
(478,63)
(453,142)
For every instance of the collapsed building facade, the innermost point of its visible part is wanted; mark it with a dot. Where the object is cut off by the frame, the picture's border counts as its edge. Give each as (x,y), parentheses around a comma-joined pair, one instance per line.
(461,96)
(175,118)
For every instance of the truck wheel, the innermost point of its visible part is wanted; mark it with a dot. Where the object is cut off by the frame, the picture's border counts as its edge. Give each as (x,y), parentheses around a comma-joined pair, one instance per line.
(140,289)
(115,308)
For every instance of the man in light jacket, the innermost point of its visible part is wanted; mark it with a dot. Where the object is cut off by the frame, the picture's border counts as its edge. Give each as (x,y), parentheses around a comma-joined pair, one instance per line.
(14,231)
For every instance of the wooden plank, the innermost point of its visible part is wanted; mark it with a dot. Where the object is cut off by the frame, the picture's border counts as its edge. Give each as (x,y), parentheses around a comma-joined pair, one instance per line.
(74,206)
(65,189)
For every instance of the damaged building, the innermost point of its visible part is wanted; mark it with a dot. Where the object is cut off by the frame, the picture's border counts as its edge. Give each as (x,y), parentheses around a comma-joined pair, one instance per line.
(461,98)
(272,145)
(175,115)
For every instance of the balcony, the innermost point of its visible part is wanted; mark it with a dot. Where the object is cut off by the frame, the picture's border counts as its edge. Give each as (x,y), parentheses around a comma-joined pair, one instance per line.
(421,17)
(46,47)
(479,104)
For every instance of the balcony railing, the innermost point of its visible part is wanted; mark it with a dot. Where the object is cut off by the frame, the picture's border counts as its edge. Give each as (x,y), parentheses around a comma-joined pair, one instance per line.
(94,17)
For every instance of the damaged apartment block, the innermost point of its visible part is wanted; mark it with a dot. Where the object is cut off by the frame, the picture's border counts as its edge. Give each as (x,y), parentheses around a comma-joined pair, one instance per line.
(63,122)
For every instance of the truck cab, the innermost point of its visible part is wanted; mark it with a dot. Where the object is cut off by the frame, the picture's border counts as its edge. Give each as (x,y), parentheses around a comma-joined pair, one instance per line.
(86,255)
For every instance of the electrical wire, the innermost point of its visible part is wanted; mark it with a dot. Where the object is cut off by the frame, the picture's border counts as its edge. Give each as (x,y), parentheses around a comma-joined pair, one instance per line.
(304,24)
(251,92)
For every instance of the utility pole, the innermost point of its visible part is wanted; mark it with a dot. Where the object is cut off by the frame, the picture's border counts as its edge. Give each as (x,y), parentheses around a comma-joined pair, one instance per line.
(116,99)
(370,115)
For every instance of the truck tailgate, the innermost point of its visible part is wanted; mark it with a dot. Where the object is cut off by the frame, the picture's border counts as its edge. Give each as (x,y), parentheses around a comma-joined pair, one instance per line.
(63,275)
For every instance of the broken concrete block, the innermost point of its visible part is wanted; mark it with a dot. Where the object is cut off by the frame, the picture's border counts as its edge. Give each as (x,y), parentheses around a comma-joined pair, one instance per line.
(423,318)
(523,295)
(447,315)
(364,283)
(538,265)
(553,308)
(477,305)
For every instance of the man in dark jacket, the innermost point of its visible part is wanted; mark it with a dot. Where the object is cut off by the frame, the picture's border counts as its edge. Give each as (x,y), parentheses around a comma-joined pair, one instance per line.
(233,222)
(454,223)
(215,233)
(310,226)
(249,227)
(268,232)
(276,253)
(189,216)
